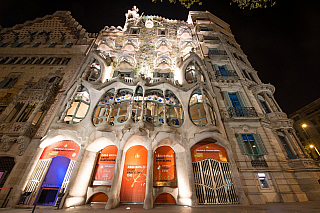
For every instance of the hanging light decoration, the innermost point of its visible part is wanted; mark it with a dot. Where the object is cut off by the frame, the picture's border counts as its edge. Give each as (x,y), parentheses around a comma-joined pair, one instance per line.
(186,3)
(253,4)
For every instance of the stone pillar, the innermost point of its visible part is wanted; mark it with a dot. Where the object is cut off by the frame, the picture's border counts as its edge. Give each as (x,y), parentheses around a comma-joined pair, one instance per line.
(291,143)
(114,195)
(148,200)
(80,179)
(299,143)
(266,98)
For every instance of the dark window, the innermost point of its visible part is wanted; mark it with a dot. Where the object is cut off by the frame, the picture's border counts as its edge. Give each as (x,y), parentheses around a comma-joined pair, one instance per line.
(162,32)
(68,45)
(203,28)
(27,112)
(2,108)
(135,31)
(14,112)
(4,44)
(265,107)
(18,44)
(57,61)
(39,60)
(52,44)
(252,78)
(12,60)
(313,122)
(296,118)
(65,61)
(21,60)
(30,60)
(285,145)
(245,74)
(48,61)
(37,44)
(3,60)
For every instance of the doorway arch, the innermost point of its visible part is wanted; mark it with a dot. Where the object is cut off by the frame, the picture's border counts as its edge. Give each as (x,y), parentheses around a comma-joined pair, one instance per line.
(133,185)
(212,174)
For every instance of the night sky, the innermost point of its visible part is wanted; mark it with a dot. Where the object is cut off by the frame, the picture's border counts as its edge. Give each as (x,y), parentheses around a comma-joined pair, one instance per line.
(282,43)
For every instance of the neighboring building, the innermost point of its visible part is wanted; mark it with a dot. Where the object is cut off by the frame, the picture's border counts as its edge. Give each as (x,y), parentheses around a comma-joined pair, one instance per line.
(167,111)
(39,60)
(309,133)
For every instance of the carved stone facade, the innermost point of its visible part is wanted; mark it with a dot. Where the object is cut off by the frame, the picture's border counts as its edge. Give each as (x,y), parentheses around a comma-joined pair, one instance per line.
(169,111)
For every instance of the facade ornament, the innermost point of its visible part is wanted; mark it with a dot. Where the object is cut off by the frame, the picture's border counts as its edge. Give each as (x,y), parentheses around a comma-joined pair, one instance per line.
(21,146)
(5,143)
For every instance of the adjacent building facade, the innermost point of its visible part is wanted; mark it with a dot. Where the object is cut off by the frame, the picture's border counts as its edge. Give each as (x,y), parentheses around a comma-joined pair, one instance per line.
(164,111)
(307,126)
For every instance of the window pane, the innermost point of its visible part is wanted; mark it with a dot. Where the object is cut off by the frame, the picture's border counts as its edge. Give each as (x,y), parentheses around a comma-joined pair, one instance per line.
(81,113)
(194,113)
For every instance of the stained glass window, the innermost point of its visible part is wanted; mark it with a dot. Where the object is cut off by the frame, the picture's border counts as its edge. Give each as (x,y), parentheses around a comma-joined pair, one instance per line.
(174,112)
(102,110)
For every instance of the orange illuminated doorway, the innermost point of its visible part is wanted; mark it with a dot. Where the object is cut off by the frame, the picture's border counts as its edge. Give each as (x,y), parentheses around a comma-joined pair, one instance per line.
(105,166)
(133,185)
(164,167)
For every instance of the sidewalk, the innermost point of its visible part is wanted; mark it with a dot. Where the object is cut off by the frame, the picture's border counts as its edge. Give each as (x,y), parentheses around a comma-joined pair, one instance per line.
(306,207)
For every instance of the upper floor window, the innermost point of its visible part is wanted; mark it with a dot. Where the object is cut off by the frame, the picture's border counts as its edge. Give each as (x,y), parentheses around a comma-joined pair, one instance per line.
(251,144)
(102,110)
(193,72)
(4,44)
(174,111)
(28,110)
(153,107)
(285,145)
(39,61)
(4,60)
(30,60)
(18,44)
(120,111)
(79,106)
(37,44)
(264,104)
(14,112)
(68,45)
(53,44)
(162,32)
(10,80)
(204,28)
(263,180)
(197,109)
(134,31)
(65,61)
(94,71)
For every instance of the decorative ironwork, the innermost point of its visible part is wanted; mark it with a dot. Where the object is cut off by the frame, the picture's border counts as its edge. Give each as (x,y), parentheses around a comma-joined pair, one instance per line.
(226,74)
(214,182)
(242,112)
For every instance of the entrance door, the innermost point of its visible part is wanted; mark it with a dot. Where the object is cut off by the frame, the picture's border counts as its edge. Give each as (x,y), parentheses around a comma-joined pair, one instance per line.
(53,180)
(133,185)
(212,176)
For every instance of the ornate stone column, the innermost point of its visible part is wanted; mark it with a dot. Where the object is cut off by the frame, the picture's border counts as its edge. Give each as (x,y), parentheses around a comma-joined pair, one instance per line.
(114,196)
(148,200)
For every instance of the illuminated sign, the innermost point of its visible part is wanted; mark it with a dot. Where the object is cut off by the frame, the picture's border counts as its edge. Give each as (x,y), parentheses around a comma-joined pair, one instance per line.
(67,149)
(164,169)
(204,150)
(134,175)
(105,166)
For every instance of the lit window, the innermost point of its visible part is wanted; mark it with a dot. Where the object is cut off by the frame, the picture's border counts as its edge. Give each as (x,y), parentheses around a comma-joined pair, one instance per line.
(174,112)
(102,110)
(79,107)
(24,116)
(94,71)
(153,108)
(197,110)
(121,105)
(137,105)
(251,144)
(263,180)
(193,72)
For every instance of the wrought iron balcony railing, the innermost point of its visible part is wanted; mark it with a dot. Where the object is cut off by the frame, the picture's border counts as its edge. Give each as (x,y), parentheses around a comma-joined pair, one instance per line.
(217,52)
(226,73)
(242,112)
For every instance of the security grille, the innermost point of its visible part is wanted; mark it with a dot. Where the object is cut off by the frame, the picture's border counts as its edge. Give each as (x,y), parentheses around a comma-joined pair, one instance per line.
(213,182)
(36,179)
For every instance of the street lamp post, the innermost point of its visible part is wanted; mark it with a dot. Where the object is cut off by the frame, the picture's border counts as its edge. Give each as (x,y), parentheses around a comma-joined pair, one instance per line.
(312,146)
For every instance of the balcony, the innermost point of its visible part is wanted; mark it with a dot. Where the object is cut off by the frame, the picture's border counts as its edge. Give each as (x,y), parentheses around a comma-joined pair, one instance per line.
(242,112)
(217,54)
(226,74)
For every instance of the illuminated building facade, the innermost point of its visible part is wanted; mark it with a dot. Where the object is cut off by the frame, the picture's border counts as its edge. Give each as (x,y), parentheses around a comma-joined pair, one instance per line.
(168,111)
(307,125)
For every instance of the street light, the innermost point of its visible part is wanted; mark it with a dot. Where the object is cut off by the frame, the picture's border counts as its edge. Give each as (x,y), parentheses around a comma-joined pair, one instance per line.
(303,127)
(312,146)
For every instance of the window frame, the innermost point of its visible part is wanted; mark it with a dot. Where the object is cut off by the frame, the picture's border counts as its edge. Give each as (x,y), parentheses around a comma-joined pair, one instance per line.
(257,142)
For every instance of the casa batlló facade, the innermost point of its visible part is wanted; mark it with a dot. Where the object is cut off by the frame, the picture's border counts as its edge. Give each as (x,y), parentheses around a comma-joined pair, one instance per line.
(167,111)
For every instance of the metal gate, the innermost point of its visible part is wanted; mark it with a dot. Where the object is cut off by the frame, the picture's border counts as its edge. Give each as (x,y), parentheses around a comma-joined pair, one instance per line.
(213,182)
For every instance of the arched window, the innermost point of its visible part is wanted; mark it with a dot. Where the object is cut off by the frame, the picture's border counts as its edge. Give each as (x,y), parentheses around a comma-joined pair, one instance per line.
(120,112)
(194,72)
(153,107)
(102,110)
(197,110)
(174,112)
(94,71)
(137,104)
(79,107)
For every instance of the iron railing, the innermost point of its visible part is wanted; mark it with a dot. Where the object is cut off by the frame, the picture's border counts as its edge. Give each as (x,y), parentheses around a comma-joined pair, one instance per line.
(217,52)
(226,73)
(242,112)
